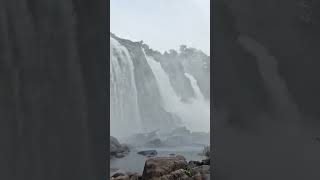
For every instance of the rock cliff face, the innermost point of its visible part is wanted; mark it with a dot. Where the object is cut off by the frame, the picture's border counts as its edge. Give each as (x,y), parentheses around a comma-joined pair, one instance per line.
(153,116)
(197,64)
(53,118)
(155,105)
(265,88)
(188,60)
(173,66)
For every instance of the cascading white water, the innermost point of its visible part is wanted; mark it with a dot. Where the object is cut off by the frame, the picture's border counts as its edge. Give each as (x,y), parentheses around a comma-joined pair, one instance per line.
(195,87)
(195,114)
(124,109)
(169,97)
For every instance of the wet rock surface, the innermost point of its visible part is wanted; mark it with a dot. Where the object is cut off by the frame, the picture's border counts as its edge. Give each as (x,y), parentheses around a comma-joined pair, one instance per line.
(148,94)
(168,168)
(148,153)
(117,150)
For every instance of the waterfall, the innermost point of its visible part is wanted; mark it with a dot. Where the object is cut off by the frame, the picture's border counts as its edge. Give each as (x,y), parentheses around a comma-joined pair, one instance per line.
(124,110)
(195,114)
(169,96)
(195,87)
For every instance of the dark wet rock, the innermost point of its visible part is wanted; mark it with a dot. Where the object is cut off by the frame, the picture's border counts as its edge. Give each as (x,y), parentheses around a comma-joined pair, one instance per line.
(125,176)
(135,176)
(114,143)
(118,150)
(148,153)
(195,163)
(117,174)
(206,162)
(120,155)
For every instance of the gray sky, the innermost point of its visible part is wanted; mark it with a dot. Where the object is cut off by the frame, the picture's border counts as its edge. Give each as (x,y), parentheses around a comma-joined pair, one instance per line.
(163,24)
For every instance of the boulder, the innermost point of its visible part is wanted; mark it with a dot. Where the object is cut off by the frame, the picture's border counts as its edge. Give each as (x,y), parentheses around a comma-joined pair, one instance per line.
(168,168)
(195,164)
(121,175)
(135,176)
(118,174)
(180,174)
(120,155)
(160,166)
(117,150)
(113,171)
(204,169)
(114,144)
(199,163)
(206,162)
(148,153)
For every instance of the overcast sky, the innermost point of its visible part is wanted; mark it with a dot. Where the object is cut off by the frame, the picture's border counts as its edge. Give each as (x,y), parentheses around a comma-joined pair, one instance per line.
(163,24)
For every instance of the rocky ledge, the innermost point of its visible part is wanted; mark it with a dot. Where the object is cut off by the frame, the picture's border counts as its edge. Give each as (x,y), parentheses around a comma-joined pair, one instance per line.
(148,153)
(168,168)
(117,150)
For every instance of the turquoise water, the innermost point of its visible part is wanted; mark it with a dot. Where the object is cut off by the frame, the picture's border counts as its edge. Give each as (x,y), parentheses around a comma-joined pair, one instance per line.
(134,162)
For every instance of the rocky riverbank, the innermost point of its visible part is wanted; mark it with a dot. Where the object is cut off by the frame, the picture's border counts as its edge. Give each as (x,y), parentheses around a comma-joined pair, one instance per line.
(117,150)
(157,164)
(168,168)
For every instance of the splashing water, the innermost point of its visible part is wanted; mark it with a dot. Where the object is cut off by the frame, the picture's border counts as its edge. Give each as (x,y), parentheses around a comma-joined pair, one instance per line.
(124,109)
(195,114)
